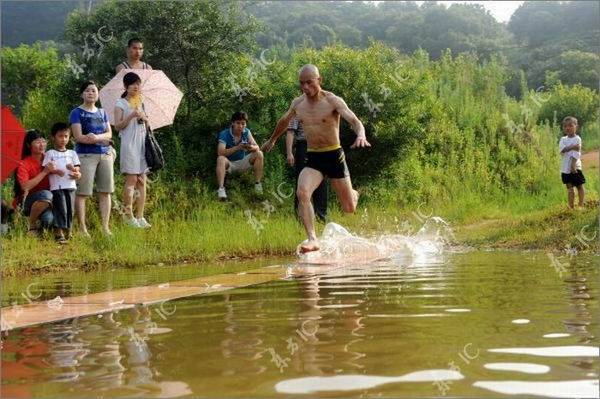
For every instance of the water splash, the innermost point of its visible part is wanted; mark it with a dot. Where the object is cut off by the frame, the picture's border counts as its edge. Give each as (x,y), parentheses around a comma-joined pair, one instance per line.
(338,245)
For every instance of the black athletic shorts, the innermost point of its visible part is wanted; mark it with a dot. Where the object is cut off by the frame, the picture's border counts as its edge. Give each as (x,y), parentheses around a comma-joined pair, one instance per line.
(575,179)
(331,163)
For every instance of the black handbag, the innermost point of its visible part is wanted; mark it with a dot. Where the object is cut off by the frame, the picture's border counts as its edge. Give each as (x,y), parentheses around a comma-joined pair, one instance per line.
(154,155)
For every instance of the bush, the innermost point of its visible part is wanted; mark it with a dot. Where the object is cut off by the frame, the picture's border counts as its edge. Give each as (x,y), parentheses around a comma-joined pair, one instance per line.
(577,101)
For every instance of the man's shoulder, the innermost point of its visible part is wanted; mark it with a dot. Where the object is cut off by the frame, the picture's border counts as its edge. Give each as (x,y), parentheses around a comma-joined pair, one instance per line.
(331,96)
(223,133)
(296,101)
(332,99)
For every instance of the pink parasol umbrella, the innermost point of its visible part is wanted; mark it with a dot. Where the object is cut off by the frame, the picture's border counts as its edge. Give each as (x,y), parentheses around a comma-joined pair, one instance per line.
(161,97)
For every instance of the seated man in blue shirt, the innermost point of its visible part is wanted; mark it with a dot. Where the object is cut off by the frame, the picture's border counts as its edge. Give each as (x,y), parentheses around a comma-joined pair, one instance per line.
(237,152)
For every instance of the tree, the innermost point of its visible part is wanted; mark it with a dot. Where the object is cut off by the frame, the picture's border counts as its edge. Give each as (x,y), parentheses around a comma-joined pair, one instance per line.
(195,44)
(27,68)
(577,101)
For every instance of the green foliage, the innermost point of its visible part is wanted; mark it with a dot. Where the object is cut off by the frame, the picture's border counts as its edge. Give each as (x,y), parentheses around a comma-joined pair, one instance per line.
(540,37)
(559,37)
(197,43)
(404,25)
(577,101)
(27,68)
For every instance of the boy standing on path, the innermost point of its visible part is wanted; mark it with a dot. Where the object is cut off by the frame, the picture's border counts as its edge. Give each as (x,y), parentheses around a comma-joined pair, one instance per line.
(570,150)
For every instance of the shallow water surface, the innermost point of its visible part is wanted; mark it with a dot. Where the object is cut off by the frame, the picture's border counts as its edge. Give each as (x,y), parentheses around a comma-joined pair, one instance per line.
(478,324)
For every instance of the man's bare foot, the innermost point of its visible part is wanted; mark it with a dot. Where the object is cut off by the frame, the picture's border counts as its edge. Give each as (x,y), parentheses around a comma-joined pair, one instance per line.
(309,246)
(356,196)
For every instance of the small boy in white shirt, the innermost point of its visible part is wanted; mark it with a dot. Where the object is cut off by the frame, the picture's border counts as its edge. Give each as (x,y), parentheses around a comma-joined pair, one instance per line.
(63,166)
(570,150)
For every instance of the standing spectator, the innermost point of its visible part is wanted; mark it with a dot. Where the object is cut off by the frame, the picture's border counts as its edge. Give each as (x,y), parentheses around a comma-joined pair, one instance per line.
(93,135)
(131,121)
(570,168)
(64,164)
(135,51)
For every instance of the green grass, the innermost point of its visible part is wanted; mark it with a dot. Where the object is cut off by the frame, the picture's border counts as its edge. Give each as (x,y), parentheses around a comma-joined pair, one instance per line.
(218,231)
(590,136)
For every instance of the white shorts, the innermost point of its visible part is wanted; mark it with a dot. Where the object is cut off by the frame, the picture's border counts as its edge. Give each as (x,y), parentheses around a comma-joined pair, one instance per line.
(240,165)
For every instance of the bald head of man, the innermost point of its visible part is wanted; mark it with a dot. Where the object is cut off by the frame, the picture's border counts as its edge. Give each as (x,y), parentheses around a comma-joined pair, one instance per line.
(310,80)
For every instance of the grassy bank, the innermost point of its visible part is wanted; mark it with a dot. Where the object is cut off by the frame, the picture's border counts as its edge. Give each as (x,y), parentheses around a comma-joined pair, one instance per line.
(248,228)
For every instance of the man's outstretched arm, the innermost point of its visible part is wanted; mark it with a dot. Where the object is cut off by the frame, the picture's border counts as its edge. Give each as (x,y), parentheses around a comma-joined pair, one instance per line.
(281,126)
(342,108)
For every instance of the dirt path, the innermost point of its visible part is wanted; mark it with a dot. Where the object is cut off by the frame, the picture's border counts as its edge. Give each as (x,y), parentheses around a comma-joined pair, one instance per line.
(590,160)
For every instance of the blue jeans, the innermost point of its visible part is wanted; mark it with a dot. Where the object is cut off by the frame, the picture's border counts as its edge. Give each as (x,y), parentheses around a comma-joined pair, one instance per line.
(46,218)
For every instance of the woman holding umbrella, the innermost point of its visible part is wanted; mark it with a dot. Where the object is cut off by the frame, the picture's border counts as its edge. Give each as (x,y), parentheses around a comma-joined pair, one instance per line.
(131,121)
(92,133)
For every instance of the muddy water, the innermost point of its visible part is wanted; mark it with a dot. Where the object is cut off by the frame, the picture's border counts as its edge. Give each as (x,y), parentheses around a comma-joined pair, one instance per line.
(479,324)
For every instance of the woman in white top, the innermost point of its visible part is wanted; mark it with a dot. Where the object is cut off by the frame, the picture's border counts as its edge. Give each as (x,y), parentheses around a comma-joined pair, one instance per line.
(130,121)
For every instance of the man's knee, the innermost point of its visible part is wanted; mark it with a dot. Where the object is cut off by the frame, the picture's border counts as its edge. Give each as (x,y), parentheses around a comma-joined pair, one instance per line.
(258,158)
(303,195)
(222,162)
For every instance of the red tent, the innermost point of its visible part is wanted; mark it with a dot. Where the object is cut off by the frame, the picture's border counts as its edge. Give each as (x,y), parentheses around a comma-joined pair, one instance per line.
(11,137)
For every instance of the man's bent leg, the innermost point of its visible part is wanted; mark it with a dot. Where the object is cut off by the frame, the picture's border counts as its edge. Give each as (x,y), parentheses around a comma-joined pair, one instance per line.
(308,181)
(222,165)
(320,201)
(347,195)
(257,162)
(299,163)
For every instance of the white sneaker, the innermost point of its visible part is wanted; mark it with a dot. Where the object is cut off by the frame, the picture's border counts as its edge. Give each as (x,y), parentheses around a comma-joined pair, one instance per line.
(258,188)
(143,223)
(131,222)
(222,194)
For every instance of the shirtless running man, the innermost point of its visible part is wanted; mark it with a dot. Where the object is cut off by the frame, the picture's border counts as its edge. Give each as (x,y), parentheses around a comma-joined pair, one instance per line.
(320,111)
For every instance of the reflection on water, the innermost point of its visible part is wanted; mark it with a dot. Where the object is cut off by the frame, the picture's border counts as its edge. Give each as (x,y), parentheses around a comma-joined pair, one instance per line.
(360,382)
(404,327)
(529,368)
(555,389)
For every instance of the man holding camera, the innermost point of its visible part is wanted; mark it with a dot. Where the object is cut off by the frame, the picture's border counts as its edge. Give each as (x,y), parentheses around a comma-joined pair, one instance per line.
(237,152)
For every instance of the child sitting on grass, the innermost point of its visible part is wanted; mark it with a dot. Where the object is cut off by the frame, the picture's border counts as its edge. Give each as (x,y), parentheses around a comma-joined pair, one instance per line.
(570,150)
(63,165)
